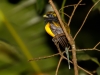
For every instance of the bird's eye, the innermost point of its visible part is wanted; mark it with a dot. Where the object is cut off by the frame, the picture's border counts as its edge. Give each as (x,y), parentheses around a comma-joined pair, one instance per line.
(50,15)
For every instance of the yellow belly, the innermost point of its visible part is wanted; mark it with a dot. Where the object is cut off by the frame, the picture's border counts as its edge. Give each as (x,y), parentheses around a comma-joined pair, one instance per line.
(48,30)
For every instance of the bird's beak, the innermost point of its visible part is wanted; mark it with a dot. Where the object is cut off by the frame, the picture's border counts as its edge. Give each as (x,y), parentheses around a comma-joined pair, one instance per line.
(45,16)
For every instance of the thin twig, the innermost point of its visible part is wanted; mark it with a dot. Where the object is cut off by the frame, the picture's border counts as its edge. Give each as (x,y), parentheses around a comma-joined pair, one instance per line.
(39,58)
(69,6)
(66,14)
(73,12)
(69,37)
(85,70)
(88,49)
(58,65)
(96,45)
(61,54)
(85,19)
(80,67)
(49,56)
(45,57)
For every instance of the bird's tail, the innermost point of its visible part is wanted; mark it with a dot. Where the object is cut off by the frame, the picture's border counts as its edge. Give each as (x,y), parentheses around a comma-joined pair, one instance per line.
(67,53)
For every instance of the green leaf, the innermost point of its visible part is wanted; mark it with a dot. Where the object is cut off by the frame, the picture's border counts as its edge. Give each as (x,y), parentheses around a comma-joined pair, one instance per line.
(95,60)
(98,71)
(40,5)
(82,56)
(23,30)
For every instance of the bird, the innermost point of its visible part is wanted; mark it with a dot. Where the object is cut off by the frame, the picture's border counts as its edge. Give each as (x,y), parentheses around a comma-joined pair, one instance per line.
(54,29)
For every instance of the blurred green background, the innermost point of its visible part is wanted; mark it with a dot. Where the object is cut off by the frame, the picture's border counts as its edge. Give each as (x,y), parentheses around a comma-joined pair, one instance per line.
(22,37)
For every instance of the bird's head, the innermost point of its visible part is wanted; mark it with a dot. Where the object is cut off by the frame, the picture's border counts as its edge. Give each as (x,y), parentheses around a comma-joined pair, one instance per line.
(50,17)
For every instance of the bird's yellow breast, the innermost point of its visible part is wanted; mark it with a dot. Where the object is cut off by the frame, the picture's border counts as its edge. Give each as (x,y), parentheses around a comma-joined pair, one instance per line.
(48,30)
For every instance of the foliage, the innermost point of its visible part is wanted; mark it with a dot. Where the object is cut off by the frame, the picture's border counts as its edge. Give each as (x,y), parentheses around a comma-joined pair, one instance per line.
(22,37)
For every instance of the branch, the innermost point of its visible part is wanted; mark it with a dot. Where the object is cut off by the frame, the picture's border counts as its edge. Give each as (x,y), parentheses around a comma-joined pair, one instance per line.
(68,36)
(85,19)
